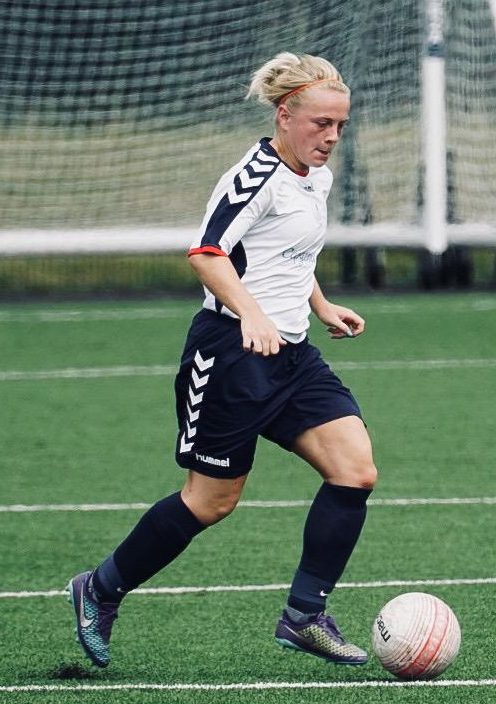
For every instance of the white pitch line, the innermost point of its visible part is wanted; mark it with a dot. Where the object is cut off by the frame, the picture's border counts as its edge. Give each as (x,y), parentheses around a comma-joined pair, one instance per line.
(83,316)
(478,305)
(420,364)
(169,370)
(297,503)
(89,372)
(433,501)
(40,508)
(226,588)
(246,686)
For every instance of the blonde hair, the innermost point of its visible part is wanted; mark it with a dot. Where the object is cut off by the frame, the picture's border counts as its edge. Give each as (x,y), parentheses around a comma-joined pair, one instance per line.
(283,78)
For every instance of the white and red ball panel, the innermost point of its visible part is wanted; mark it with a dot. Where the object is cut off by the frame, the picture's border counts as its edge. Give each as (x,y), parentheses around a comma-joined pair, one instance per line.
(416,636)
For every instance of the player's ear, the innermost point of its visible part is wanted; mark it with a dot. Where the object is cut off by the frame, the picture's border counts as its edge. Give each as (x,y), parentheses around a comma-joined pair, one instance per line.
(282,116)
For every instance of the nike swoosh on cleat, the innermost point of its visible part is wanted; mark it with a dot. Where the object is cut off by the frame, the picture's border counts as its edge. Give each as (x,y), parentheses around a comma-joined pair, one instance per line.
(323,593)
(308,637)
(85,622)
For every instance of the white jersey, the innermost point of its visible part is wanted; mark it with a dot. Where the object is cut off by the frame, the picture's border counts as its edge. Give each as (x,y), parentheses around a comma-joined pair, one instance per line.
(271,222)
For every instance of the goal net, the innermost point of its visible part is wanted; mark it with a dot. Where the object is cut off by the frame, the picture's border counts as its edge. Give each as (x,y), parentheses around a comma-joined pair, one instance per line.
(118,116)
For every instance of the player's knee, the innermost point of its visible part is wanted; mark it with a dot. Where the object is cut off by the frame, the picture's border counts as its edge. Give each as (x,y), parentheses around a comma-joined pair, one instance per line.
(360,474)
(209,499)
(368,476)
(214,511)
(223,508)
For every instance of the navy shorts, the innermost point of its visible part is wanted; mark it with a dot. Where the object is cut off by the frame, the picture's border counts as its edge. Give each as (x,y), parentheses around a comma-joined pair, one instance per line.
(226,397)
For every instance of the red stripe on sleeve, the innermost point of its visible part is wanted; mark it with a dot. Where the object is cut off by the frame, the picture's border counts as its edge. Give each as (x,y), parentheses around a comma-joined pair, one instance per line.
(208,248)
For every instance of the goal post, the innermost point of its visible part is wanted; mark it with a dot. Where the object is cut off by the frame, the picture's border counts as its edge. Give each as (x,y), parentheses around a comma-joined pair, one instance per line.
(492,5)
(434,131)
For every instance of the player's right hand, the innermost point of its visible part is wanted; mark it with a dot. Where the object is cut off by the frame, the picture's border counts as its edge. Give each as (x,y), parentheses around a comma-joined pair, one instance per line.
(260,335)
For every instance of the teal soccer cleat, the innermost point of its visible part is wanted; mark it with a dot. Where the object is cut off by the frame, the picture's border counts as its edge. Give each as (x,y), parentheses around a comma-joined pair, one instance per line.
(94,620)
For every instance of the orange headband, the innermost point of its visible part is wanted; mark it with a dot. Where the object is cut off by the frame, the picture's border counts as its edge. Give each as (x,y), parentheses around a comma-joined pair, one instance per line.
(308,85)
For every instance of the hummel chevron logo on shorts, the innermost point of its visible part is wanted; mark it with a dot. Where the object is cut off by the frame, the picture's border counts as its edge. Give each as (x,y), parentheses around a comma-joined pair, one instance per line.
(246,182)
(198,380)
(203,364)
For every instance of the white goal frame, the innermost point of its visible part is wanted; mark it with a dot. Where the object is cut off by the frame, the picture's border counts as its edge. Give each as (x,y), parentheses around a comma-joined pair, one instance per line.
(433,233)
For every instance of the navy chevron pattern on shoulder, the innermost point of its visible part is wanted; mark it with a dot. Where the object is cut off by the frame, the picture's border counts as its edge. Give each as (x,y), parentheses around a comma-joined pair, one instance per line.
(251,177)
(243,188)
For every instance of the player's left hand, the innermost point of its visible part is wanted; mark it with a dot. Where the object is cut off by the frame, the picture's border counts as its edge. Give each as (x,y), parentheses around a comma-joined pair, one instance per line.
(341,322)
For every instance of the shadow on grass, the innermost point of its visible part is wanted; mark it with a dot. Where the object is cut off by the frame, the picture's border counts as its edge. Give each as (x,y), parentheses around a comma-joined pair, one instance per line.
(73,671)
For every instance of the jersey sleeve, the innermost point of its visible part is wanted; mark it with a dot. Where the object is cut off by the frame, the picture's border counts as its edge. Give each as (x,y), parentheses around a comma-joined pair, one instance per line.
(241,198)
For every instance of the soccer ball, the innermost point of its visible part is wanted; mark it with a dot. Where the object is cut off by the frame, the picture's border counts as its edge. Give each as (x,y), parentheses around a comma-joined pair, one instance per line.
(416,636)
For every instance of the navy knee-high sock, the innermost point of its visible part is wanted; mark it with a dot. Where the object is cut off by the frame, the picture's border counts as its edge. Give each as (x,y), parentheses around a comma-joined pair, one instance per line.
(332,529)
(164,531)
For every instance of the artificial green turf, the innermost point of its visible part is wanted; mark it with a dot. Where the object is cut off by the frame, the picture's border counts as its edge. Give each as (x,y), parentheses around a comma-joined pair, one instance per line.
(112,440)
(409,327)
(222,638)
(453,538)
(116,430)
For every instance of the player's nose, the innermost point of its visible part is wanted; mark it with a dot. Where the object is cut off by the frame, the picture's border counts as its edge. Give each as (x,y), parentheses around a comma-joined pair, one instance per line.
(332,134)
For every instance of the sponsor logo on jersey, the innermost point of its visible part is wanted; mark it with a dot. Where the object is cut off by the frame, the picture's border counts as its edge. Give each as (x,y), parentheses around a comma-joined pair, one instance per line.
(300,258)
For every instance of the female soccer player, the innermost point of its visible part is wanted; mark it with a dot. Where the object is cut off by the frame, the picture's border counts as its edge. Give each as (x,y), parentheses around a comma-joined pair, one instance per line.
(248,369)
